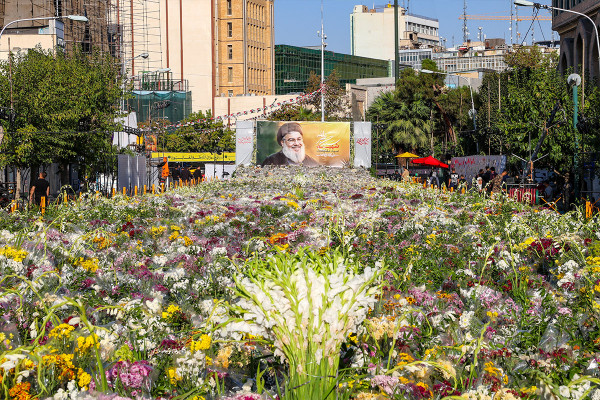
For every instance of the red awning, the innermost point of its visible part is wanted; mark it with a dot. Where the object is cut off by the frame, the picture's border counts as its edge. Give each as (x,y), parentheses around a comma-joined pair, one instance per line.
(433,162)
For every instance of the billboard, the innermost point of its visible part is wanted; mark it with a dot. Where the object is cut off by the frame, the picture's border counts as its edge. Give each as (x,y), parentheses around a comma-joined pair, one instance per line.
(306,143)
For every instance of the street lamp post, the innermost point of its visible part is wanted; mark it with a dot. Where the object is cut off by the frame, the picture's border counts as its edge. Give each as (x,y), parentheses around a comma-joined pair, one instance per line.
(323,44)
(79,18)
(527,3)
(123,75)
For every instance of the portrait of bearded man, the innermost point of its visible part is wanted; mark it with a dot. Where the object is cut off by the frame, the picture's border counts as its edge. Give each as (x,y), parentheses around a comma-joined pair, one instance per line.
(293,151)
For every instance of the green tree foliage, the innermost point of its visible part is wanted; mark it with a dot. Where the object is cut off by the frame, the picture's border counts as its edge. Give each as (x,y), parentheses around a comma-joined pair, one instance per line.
(421,115)
(294,112)
(516,104)
(336,102)
(65,104)
(207,136)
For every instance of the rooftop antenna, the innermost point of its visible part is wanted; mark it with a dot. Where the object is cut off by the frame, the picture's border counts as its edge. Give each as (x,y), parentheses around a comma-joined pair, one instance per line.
(465,29)
(533,28)
(407,6)
(517,22)
(511,23)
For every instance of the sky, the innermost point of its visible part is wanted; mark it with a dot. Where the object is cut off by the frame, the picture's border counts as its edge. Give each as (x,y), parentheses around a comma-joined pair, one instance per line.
(297,22)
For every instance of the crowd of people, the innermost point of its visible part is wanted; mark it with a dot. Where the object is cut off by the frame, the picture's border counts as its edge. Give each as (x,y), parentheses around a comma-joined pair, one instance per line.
(556,187)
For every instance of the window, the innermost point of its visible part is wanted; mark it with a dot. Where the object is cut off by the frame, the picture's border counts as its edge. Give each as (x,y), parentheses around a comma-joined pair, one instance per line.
(230,93)
(230,29)
(229,9)
(230,52)
(230,74)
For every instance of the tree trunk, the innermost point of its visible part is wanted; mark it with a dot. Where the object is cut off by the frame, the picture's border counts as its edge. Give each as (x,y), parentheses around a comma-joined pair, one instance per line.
(17,183)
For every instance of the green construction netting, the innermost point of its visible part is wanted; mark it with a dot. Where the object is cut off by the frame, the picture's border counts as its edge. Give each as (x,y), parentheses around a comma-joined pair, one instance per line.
(172,105)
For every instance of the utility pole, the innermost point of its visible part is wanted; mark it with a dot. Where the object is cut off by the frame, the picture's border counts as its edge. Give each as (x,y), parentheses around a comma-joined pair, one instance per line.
(396,55)
(323,37)
(575,80)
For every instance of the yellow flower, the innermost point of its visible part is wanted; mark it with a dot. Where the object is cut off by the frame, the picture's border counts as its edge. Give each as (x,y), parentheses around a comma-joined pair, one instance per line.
(490,369)
(174,377)
(405,358)
(83,379)
(202,344)
(492,315)
(62,331)
(16,254)
(175,228)
(86,343)
(90,265)
(156,231)
(187,241)
(172,309)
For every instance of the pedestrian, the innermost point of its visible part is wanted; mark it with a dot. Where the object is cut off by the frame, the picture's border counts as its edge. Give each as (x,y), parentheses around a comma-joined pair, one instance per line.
(453,181)
(405,175)
(433,180)
(39,188)
(197,174)
(176,174)
(496,184)
(185,175)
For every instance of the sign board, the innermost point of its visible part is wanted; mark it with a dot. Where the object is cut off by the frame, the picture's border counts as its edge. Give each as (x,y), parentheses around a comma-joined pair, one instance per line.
(195,157)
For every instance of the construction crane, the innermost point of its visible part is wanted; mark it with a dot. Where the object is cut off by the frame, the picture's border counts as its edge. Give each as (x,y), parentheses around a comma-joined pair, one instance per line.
(503,18)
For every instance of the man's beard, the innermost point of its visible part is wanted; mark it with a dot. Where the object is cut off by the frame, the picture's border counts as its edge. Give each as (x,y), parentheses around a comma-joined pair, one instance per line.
(296,157)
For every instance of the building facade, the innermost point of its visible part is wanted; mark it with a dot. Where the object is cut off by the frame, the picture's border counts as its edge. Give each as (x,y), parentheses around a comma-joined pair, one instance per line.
(245,39)
(62,33)
(293,66)
(372,32)
(219,47)
(211,48)
(578,45)
(455,61)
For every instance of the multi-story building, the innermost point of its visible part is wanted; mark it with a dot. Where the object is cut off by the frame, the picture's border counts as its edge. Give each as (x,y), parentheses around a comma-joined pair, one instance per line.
(578,46)
(455,61)
(245,38)
(293,66)
(220,47)
(372,32)
(62,32)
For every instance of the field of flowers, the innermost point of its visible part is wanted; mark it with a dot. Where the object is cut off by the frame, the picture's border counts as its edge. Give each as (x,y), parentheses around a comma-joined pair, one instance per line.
(299,284)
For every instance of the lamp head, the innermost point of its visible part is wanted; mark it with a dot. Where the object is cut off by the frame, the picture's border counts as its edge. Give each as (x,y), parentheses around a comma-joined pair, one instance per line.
(524,3)
(79,18)
(144,55)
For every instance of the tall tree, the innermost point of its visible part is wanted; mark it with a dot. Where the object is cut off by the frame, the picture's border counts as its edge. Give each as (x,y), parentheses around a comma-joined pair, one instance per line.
(204,136)
(65,105)
(519,110)
(334,96)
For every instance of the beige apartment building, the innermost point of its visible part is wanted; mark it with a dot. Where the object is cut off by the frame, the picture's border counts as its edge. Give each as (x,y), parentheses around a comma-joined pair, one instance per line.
(212,48)
(219,47)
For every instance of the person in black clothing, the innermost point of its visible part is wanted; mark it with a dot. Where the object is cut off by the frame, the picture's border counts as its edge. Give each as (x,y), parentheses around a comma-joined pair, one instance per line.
(39,188)
(185,175)
(176,173)
(453,180)
(197,174)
